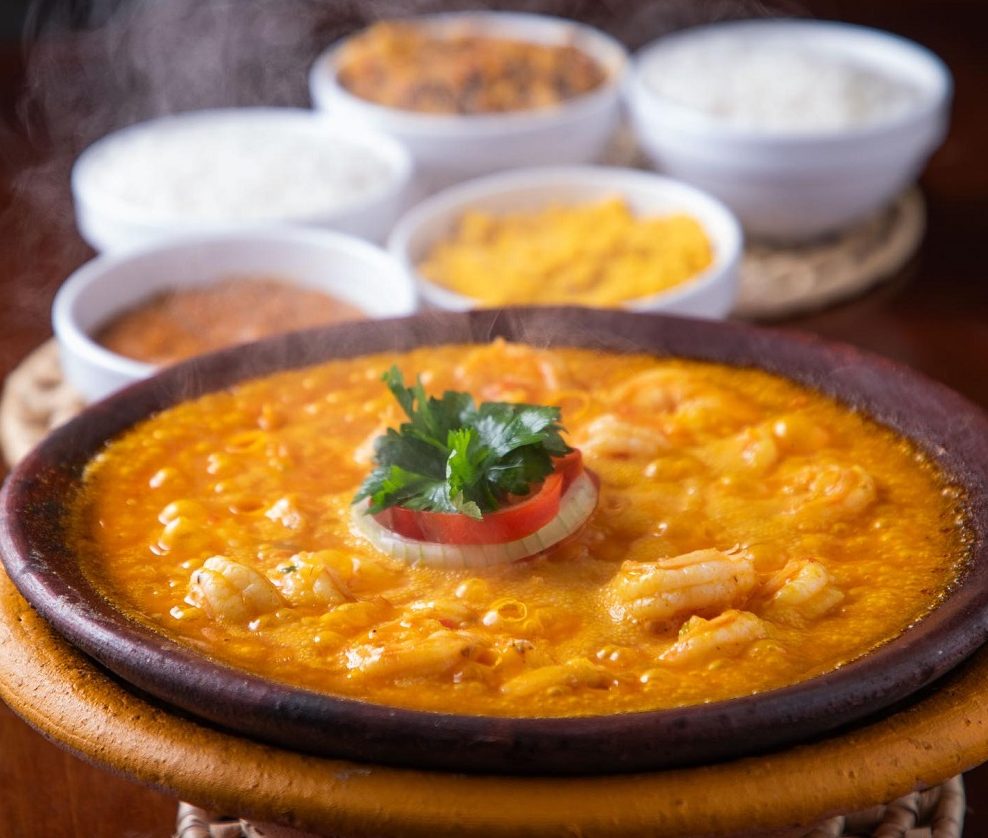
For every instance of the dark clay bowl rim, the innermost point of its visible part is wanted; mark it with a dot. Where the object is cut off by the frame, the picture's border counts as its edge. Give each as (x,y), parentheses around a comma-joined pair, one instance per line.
(953,432)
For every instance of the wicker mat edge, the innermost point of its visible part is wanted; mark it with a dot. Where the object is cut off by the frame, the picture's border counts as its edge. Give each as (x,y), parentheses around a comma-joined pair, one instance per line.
(937,812)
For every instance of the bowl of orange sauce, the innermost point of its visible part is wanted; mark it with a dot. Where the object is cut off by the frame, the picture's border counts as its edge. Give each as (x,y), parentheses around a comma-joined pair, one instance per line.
(120,317)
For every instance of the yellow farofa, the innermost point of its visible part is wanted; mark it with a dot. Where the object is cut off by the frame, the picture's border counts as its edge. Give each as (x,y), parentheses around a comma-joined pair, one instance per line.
(594,254)
(750,534)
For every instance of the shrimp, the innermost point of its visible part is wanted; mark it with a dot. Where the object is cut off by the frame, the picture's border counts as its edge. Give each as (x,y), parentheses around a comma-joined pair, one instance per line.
(419,657)
(285,511)
(303,580)
(825,494)
(797,434)
(758,448)
(685,403)
(609,436)
(801,591)
(518,655)
(362,575)
(231,592)
(504,371)
(451,613)
(726,635)
(704,581)
(556,679)
(657,390)
(753,450)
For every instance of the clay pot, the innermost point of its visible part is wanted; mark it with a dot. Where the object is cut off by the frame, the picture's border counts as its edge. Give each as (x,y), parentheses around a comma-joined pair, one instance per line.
(953,432)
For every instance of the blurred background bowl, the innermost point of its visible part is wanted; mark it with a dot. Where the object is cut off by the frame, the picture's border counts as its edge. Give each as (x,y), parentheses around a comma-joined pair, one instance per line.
(709,294)
(451,148)
(238,171)
(795,185)
(347,269)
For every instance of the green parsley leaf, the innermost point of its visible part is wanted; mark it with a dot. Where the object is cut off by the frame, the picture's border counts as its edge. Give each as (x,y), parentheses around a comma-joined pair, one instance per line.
(453,456)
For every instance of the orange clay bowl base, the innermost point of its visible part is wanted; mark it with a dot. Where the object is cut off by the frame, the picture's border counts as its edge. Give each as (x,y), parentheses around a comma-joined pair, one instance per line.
(72,701)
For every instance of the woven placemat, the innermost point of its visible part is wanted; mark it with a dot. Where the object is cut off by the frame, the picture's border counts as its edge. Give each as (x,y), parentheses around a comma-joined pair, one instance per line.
(35,400)
(784,280)
(779,281)
(935,813)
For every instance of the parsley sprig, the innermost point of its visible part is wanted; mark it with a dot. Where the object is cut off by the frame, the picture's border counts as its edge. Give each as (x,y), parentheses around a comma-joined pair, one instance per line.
(455,456)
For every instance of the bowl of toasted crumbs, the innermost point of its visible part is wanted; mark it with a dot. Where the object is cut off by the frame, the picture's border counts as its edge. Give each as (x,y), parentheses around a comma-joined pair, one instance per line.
(597,236)
(477,92)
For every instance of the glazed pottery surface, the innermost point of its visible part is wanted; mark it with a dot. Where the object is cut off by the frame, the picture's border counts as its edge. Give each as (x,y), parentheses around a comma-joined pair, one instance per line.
(953,433)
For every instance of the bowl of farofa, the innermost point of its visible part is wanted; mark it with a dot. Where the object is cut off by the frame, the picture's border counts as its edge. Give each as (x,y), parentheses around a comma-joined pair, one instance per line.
(447,111)
(597,236)
(836,419)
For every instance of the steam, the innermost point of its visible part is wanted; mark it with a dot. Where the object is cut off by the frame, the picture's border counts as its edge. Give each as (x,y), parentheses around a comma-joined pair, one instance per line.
(89,73)
(123,63)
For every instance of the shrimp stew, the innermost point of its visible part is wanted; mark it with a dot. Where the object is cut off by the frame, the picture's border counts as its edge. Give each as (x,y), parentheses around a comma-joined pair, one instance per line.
(749,534)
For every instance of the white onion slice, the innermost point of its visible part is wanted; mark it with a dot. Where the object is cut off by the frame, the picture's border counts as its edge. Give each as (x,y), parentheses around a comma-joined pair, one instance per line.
(575,507)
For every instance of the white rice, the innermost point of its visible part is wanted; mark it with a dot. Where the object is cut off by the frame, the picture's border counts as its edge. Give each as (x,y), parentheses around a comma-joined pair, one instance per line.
(244,167)
(769,84)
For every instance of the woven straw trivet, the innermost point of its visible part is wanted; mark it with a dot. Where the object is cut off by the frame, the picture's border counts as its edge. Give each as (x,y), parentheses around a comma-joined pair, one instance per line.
(784,280)
(35,400)
(934,813)
(779,281)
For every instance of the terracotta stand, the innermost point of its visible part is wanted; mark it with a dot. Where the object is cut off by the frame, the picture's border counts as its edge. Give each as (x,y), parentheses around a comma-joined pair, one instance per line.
(70,700)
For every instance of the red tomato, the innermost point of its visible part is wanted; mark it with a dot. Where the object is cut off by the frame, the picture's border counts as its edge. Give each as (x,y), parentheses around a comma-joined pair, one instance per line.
(570,466)
(508,524)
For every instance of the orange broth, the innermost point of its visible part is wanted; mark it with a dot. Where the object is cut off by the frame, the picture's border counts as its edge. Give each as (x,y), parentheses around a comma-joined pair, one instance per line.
(824,535)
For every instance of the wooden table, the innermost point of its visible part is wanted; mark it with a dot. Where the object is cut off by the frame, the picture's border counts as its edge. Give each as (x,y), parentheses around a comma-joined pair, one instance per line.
(933,316)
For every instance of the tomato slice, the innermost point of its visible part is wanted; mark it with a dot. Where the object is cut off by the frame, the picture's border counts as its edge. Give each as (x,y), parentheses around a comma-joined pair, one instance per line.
(570,466)
(508,524)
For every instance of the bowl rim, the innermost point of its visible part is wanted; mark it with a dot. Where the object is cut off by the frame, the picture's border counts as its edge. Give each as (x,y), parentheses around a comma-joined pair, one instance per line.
(324,84)
(952,431)
(394,154)
(691,121)
(456,199)
(74,338)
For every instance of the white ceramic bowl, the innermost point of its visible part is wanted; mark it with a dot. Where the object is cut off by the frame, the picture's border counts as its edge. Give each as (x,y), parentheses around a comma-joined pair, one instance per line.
(346,268)
(709,295)
(793,186)
(450,148)
(115,212)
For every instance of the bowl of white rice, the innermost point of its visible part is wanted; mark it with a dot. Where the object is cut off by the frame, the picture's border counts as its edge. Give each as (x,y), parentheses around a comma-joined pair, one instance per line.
(801,127)
(233,169)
